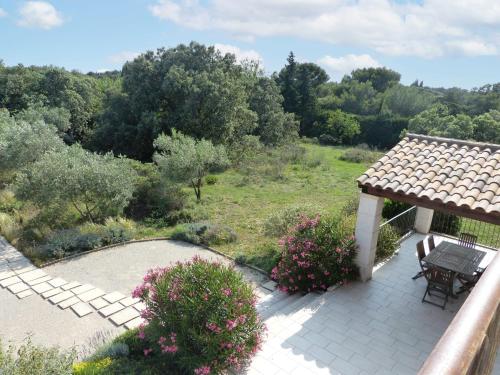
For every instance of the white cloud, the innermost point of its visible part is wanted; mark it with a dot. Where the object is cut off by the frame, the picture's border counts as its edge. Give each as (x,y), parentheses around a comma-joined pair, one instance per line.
(339,66)
(3,13)
(122,57)
(40,14)
(428,28)
(241,55)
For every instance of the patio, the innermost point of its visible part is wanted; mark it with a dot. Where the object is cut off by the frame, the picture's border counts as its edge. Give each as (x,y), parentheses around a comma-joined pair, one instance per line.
(374,327)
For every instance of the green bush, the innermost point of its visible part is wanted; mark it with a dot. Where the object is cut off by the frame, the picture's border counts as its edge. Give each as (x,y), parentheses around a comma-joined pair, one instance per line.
(201,316)
(393,208)
(359,155)
(279,222)
(211,179)
(387,242)
(264,256)
(327,139)
(204,233)
(314,256)
(30,359)
(110,350)
(59,244)
(446,223)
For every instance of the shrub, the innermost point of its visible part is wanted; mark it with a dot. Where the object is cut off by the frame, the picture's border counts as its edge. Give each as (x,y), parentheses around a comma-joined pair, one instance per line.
(117,231)
(9,228)
(110,350)
(200,316)
(387,242)
(264,256)
(204,233)
(279,222)
(446,223)
(314,256)
(59,244)
(393,208)
(327,139)
(211,179)
(359,155)
(35,360)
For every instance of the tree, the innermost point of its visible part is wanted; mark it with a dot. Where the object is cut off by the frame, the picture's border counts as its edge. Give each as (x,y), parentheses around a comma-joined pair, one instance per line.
(185,159)
(341,126)
(274,126)
(407,101)
(56,116)
(487,127)
(380,78)
(23,143)
(96,186)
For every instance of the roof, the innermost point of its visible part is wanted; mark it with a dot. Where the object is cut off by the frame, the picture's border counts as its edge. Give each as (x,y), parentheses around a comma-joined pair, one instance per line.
(439,173)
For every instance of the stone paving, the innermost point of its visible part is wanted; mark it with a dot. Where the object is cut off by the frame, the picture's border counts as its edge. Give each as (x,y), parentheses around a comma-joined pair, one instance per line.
(378,327)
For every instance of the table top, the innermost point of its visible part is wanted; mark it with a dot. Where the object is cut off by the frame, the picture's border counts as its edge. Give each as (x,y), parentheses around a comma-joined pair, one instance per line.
(455,257)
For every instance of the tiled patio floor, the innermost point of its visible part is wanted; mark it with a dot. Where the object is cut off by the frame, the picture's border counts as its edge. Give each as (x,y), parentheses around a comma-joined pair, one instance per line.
(378,327)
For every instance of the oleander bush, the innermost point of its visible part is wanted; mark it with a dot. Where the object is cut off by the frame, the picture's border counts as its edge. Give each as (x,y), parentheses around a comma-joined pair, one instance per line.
(200,316)
(279,222)
(317,253)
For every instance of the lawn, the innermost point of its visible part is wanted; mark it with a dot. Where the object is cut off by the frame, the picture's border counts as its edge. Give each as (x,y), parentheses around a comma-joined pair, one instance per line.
(319,180)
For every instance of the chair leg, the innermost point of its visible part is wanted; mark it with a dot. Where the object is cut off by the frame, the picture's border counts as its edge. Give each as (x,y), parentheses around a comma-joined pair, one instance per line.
(418,275)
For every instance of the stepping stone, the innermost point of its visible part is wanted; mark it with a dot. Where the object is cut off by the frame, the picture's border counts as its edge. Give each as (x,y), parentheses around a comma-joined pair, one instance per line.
(6,274)
(32,275)
(113,297)
(24,294)
(39,281)
(270,285)
(57,282)
(129,301)
(71,285)
(52,292)
(134,323)
(61,297)
(69,302)
(11,280)
(124,316)
(42,288)
(111,309)
(82,289)
(81,309)
(91,294)
(139,306)
(17,288)
(98,303)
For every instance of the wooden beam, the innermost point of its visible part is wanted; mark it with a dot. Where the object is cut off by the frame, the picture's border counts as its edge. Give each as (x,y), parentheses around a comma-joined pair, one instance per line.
(492,217)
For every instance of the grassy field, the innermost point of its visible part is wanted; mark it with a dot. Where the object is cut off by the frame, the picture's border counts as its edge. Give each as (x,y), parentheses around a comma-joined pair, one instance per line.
(320,180)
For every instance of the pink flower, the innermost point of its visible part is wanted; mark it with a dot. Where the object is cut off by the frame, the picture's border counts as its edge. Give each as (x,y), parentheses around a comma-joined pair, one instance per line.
(147,351)
(169,348)
(214,328)
(141,335)
(231,324)
(203,370)
(162,340)
(227,292)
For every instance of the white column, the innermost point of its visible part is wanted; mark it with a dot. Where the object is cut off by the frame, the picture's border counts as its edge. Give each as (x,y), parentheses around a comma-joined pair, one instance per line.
(367,228)
(423,220)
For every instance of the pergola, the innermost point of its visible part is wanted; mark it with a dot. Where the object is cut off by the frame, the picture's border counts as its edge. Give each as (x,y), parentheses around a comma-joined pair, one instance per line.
(432,173)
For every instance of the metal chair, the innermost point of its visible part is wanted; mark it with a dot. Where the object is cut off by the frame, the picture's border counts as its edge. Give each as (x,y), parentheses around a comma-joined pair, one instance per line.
(421,255)
(467,240)
(430,242)
(440,281)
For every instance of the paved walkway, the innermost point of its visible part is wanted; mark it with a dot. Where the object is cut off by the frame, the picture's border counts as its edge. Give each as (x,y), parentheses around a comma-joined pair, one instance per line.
(69,302)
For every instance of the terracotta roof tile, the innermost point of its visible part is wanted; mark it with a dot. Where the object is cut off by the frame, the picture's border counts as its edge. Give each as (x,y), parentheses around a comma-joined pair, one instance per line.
(462,173)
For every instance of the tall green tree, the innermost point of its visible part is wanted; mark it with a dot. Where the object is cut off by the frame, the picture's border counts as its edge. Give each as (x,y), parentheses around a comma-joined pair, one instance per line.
(183,159)
(487,127)
(380,78)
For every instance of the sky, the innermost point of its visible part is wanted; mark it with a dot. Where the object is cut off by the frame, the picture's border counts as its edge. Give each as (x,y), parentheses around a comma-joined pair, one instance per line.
(445,43)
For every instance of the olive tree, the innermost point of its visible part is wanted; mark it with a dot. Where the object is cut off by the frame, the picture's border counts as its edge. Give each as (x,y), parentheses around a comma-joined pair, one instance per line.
(97,186)
(186,160)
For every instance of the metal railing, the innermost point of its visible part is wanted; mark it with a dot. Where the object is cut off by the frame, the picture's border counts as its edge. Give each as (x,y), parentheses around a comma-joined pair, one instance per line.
(448,224)
(469,345)
(401,225)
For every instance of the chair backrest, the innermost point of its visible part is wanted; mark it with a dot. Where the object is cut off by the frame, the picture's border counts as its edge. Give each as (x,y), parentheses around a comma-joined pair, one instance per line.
(420,250)
(439,276)
(467,240)
(430,242)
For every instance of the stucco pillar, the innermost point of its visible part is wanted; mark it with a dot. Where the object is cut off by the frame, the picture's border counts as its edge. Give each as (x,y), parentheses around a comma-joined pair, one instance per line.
(423,220)
(367,228)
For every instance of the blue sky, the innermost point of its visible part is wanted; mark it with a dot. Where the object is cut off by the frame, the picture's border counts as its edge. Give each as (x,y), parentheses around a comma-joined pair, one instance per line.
(438,41)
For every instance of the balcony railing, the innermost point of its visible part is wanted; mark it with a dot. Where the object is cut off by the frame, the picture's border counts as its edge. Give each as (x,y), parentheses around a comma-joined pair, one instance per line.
(451,225)
(402,224)
(469,345)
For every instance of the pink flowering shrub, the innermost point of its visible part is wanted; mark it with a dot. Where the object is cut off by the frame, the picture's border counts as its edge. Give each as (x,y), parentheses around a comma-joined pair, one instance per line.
(316,253)
(200,315)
